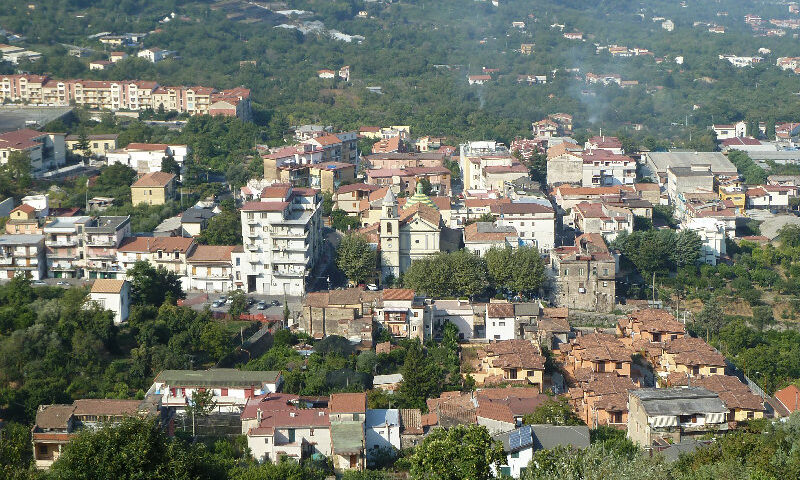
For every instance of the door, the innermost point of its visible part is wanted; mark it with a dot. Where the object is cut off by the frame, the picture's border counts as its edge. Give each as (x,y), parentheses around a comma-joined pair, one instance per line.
(251,283)
(353,461)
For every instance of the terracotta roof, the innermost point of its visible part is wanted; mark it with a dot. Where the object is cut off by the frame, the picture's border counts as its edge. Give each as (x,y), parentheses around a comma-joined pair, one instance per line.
(507,393)
(694,351)
(734,393)
(411,419)
(268,402)
(601,347)
(278,190)
(107,285)
(348,403)
(556,312)
(154,179)
(211,253)
(24,208)
(398,294)
(495,411)
(678,379)
(487,232)
(520,208)
(326,140)
(154,244)
(265,206)
(568,190)
(355,187)
(150,147)
(789,397)
(653,320)
(514,354)
(103,407)
(425,212)
(500,310)
(20,139)
(54,416)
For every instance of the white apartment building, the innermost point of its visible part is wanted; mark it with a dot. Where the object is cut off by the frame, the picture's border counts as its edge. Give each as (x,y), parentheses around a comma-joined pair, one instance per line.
(601,168)
(535,223)
(477,156)
(147,157)
(22,255)
(712,232)
(282,241)
(210,268)
(64,240)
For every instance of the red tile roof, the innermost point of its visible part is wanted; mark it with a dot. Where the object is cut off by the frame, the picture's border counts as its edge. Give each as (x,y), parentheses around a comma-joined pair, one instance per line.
(154,179)
(264,206)
(348,403)
(211,253)
(520,208)
(398,294)
(154,244)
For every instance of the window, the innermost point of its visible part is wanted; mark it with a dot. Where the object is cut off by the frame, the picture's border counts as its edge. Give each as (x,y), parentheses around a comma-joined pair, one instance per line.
(713,369)
(605,284)
(618,366)
(311,432)
(515,455)
(502,324)
(616,417)
(751,415)
(389,229)
(356,417)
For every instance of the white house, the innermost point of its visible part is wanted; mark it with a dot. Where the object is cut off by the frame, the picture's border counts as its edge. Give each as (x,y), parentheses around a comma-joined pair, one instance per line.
(114,295)
(726,131)
(712,233)
(770,196)
(500,321)
(535,223)
(461,314)
(210,268)
(147,157)
(154,54)
(520,444)
(382,431)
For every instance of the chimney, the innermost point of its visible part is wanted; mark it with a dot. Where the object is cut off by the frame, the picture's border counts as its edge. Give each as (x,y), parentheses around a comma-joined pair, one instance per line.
(258,415)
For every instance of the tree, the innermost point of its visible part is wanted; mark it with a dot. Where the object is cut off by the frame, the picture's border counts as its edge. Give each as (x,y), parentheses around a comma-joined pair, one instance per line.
(82,145)
(687,248)
(420,381)
(169,165)
(15,448)
(201,405)
(238,304)
(427,188)
(343,222)
(455,454)
(789,235)
(710,319)
(594,463)
(554,411)
(136,448)
(356,259)
(469,273)
(527,270)
(151,286)
(225,228)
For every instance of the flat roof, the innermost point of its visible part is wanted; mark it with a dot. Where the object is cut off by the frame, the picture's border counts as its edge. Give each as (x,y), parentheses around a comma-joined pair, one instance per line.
(663,160)
(217,377)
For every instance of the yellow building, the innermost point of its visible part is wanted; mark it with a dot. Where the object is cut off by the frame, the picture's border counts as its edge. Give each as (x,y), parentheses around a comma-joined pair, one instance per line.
(739,198)
(329,175)
(154,188)
(692,356)
(98,144)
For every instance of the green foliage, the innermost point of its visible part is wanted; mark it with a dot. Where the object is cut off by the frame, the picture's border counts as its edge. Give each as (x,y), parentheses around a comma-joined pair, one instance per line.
(225,228)
(448,274)
(420,379)
(614,440)
(238,304)
(16,451)
(114,181)
(356,259)
(593,463)
(15,174)
(151,285)
(659,251)
(520,270)
(789,235)
(752,173)
(169,165)
(202,404)
(455,454)
(341,221)
(710,318)
(554,411)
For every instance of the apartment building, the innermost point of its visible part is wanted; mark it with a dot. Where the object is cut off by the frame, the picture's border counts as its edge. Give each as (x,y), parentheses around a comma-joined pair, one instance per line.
(102,237)
(603,168)
(282,240)
(64,239)
(584,274)
(22,255)
(488,165)
(23,219)
(45,150)
(600,217)
(169,252)
(337,147)
(210,268)
(535,223)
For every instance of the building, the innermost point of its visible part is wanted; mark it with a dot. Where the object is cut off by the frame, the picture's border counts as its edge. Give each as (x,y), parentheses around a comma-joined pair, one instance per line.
(738,129)
(282,240)
(99,144)
(328,176)
(663,416)
(741,402)
(584,275)
(602,218)
(650,325)
(600,353)
(501,321)
(695,178)
(103,235)
(349,198)
(479,237)
(56,425)
(565,167)
(64,239)
(712,233)
(405,160)
(23,219)
(113,295)
(46,151)
(339,147)
(348,430)
(231,388)
(520,444)
(147,157)
(155,188)
(789,398)
(510,361)
(603,167)
(172,253)
(24,255)
(210,268)
(692,356)
(403,314)
(468,318)
(388,383)
(154,54)
(382,432)
(475,157)
(656,164)
(348,313)
(534,223)
(195,219)
(604,400)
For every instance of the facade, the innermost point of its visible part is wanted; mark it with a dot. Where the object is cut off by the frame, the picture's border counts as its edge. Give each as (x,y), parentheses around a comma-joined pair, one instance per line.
(348,430)
(172,253)
(348,313)
(602,218)
(23,254)
(660,416)
(510,361)
(403,314)
(23,219)
(696,178)
(99,145)
(585,274)
(475,157)
(712,233)
(738,129)
(691,356)
(210,268)
(565,168)
(155,188)
(231,388)
(479,237)
(103,235)
(603,167)
(282,240)
(328,176)
(147,157)
(534,222)
(520,444)
(64,239)
(381,431)
(45,150)
(114,295)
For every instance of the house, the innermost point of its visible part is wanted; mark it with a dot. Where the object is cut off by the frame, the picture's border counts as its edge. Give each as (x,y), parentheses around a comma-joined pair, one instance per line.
(388,383)
(603,168)
(412,427)
(147,157)
(584,274)
(349,197)
(713,235)
(348,430)
(99,144)
(609,144)
(693,356)
(102,237)
(23,219)
(741,402)
(24,255)
(478,79)
(772,197)
(479,237)
(600,353)
(602,218)
(155,188)
(662,416)
(154,54)
(46,151)
(347,312)
(56,425)
(64,241)
(605,400)
(520,444)
(501,321)
(326,74)
(99,64)
(503,409)
(564,164)
(195,219)
(511,361)
(789,398)
(651,325)
(282,230)
(553,330)
(117,56)
(382,432)
(534,223)
(168,252)
(573,36)
(468,318)
(210,268)
(389,145)
(231,388)
(402,314)
(328,176)
(681,180)
(726,131)
(113,295)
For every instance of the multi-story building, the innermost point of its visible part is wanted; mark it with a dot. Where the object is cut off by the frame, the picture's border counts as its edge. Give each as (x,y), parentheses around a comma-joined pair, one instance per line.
(211,268)
(114,295)
(602,167)
(282,240)
(479,237)
(102,237)
(600,217)
(24,219)
(338,147)
(147,157)
(23,255)
(585,274)
(154,188)
(168,252)
(402,313)
(535,223)
(510,361)
(45,150)
(476,156)
(348,432)
(64,239)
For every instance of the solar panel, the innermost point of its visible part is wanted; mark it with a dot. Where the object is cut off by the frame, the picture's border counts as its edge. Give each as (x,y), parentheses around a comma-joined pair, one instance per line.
(514,440)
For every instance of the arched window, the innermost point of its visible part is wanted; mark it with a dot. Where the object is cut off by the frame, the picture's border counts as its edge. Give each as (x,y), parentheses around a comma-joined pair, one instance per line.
(388,228)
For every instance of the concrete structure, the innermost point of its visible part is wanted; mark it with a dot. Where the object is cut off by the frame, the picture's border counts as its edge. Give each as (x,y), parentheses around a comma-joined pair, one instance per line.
(382,432)
(565,168)
(210,268)
(147,157)
(712,233)
(476,157)
(24,255)
(520,444)
(584,275)
(479,237)
(534,222)
(738,129)
(657,163)
(99,144)
(282,240)
(64,239)
(155,188)
(696,178)
(602,167)
(103,235)
(659,416)
(114,295)
(602,218)
(45,150)
(231,388)
(348,430)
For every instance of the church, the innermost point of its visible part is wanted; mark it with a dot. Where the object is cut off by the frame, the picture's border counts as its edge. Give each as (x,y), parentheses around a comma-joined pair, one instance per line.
(415,232)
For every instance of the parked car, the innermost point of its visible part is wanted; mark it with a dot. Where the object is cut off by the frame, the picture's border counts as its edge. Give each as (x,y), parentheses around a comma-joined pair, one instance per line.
(372,287)
(219,302)
(229,300)
(261,305)
(62,282)
(38,282)
(275,303)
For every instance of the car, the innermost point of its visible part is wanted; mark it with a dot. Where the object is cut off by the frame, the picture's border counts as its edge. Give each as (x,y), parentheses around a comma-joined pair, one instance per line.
(261,305)
(219,302)
(38,282)
(62,282)
(275,303)
(229,300)
(372,287)
(250,301)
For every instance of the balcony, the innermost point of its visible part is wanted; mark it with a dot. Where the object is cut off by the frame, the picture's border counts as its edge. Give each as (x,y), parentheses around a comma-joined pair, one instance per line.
(100,242)
(61,243)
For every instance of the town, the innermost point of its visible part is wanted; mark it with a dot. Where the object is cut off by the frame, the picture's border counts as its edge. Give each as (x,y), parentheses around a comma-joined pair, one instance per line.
(236,246)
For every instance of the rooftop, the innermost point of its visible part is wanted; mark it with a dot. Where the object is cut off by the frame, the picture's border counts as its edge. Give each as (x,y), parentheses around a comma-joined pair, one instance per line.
(107,285)
(679,401)
(348,403)
(217,377)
